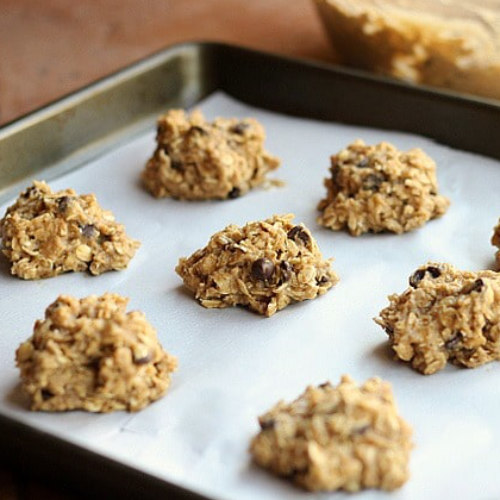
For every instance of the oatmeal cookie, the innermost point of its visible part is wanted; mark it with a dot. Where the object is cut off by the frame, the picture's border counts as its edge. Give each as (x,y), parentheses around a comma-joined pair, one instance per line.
(445,315)
(92,355)
(264,265)
(331,438)
(378,188)
(200,160)
(47,233)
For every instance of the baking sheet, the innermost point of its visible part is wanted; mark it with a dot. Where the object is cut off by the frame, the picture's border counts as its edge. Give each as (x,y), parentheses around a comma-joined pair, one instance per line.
(234,365)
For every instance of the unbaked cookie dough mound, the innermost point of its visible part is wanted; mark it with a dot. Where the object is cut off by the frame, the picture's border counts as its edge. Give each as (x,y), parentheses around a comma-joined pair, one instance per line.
(47,233)
(92,355)
(445,315)
(200,160)
(379,188)
(264,265)
(337,438)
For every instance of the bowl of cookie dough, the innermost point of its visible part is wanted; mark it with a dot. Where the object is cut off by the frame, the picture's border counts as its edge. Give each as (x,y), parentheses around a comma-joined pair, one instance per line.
(448,44)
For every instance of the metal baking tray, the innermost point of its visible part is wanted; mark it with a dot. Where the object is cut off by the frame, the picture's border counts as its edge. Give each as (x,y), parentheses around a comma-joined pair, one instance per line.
(68,133)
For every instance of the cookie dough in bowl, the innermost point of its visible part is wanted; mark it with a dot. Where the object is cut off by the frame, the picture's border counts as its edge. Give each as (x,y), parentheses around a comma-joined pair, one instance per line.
(264,265)
(446,315)
(347,437)
(200,160)
(46,233)
(90,354)
(446,43)
(380,189)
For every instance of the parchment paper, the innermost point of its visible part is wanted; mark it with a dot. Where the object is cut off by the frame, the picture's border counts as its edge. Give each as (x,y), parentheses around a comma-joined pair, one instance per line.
(234,364)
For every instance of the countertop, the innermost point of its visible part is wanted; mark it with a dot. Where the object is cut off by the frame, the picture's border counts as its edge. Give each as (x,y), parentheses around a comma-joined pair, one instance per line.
(53,47)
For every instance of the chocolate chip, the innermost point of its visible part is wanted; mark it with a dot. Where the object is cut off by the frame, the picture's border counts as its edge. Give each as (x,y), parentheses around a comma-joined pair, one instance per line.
(486,330)
(88,230)
(28,192)
(325,384)
(417,277)
(286,271)
(63,203)
(453,342)
(477,286)
(372,182)
(239,128)
(144,359)
(176,165)
(94,364)
(234,193)
(46,394)
(363,163)
(389,330)
(262,269)
(267,424)
(299,232)
(322,280)
(435,272)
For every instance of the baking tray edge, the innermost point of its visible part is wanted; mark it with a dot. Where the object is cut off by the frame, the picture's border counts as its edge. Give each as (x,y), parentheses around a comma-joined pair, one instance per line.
(57,138)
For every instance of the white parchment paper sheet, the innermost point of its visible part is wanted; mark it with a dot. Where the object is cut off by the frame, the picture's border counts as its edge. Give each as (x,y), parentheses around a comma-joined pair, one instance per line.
(235,364)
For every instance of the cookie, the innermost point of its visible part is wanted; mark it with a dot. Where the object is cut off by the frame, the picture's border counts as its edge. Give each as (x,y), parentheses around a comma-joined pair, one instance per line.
(46,233)
(445,315)
(92,355)
(336,438)
(200,160)
(378,189)
(264,265)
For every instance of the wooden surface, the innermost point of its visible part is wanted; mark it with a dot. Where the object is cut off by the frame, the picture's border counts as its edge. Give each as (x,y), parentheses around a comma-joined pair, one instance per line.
(49,48)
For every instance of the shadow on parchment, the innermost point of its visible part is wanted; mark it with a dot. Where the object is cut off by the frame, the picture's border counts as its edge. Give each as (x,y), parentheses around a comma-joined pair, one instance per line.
(183,291)
(17,397)
(383,352)
(5,267)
